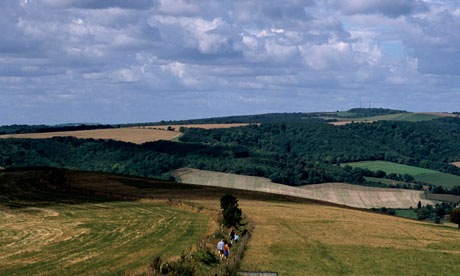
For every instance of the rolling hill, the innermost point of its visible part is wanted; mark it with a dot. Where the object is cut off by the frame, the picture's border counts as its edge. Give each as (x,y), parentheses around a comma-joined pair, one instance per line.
(63,222)
(338,193)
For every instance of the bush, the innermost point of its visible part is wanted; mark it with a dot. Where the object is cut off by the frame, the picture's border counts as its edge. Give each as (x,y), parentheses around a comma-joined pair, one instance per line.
(231,213)
(424,213)
(205,256)
(455,217)
(155,265)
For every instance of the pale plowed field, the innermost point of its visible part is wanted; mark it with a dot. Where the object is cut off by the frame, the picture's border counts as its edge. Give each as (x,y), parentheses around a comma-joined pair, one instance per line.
(132,135)
(339,193)
(456,164)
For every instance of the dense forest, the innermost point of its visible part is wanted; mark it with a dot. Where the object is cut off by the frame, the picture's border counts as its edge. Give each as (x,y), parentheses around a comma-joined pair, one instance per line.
(288,153)
(18,129)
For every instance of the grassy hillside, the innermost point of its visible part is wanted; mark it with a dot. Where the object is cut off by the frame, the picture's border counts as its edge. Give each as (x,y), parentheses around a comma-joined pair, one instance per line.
(50,226)
(410,117)
(308,239)
(45,232)
(338,193)
(419,174)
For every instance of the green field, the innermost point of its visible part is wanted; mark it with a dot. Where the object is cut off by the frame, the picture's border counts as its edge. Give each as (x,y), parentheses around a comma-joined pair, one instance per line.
(406,213)
(411,117)
(51,234)
(419,174)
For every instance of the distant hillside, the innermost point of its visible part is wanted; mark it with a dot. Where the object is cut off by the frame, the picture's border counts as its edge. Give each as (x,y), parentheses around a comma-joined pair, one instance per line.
(338,193)
(363,112)
(295,117)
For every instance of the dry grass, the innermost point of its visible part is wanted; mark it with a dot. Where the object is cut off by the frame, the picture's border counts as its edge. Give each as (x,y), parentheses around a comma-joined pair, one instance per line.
(205,126)
(132,135)
(338,193)
(290,238)
(309,239)
(443,114)
(455,164)
(46,232)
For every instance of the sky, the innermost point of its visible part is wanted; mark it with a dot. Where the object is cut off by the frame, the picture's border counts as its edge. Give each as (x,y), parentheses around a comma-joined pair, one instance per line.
(117,61)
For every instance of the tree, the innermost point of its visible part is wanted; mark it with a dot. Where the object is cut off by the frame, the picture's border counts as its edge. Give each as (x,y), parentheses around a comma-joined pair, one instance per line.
(423,213)
(455,217)
(230,211)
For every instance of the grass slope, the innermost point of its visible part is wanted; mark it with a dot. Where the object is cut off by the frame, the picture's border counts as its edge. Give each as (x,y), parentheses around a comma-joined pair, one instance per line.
(49,233)
(339,193)
(309,239)
(70,234)
(411,117)
(419,174)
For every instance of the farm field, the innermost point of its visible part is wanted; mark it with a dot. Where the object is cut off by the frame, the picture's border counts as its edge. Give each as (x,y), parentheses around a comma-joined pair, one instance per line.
(82,235)
(406,213)
(49,233)
(456,164)
(338,193)
(309,239)
(442,114)
(132,135)
(411,117)
(443,197)
(419,174)
(385,180)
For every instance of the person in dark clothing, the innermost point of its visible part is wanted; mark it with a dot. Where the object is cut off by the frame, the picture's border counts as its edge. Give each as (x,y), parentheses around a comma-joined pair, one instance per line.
(232,236)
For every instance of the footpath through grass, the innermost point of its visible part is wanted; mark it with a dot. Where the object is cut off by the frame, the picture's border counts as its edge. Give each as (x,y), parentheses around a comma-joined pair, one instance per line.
(105,238)
(419,174)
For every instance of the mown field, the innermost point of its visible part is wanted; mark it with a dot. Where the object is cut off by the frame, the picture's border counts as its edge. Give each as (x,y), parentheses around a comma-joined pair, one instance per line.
(51,229)
(338,193)
(132,135)
(419,174)
(309,239)
(48,233)
(137,135)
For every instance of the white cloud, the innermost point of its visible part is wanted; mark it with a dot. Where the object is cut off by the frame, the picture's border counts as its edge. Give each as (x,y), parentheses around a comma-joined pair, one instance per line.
(294,55)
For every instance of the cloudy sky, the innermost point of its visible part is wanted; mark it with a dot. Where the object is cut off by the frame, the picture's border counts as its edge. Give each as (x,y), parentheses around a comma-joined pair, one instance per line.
(114,61)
